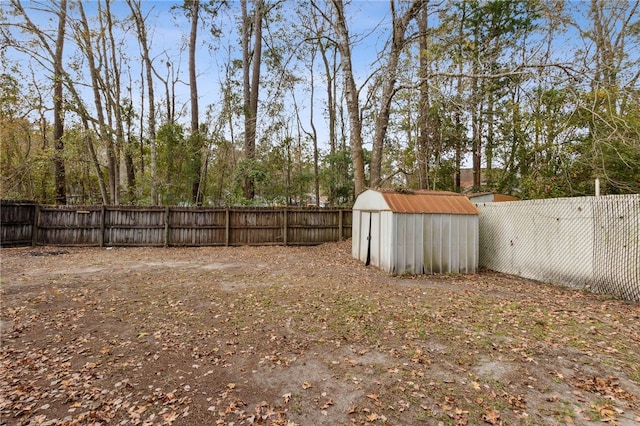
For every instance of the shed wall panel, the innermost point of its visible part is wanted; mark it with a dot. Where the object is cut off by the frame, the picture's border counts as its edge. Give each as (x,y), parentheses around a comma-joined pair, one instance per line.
(387,248)
(409,244)
(431,243)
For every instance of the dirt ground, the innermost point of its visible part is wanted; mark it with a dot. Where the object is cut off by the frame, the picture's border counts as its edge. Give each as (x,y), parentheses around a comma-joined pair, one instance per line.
(301,336)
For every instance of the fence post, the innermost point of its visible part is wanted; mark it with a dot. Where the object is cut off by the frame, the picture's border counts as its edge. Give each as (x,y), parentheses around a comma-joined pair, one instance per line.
(226,227)
(102,225)
(340,231)
(36,220)
(285,225)
(166,226)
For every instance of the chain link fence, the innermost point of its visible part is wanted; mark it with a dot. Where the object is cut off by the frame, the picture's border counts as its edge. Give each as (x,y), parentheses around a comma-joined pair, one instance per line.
(590,243)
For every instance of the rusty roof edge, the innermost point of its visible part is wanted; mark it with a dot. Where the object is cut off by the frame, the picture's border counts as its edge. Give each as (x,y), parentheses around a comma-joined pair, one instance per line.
(429,202)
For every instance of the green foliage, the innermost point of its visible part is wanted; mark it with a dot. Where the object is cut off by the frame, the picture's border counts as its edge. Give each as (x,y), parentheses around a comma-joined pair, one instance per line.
(248,169)
(173,164)
(336,177)
(547,131)
(82,182)
(9,96)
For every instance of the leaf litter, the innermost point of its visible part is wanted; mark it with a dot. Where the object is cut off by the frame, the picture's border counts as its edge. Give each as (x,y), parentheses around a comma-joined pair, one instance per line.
(301,335)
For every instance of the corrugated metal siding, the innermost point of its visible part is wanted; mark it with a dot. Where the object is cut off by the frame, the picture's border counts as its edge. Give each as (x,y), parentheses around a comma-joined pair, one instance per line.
(429,202)
(376,243)
(416,233)
(386,240)
(434,243)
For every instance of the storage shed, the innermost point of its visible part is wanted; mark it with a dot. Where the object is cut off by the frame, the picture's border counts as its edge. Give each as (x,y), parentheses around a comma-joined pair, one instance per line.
(420,232)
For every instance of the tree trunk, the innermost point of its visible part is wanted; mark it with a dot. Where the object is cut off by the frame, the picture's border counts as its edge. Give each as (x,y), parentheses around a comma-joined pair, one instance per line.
(94,159)
(196,138)
(352,95)
(148,67)
(388,86)
(86,46)
(476,118)
(331,107)
(461,144)
(314,133)
(114,103)
(423,151)
(58,110)
(251,84)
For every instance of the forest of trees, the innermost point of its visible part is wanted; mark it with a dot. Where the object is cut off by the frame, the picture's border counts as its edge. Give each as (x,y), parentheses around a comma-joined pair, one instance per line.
(305,100)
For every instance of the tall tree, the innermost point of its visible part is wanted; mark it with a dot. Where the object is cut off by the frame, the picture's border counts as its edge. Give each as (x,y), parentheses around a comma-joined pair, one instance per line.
(50,55)
(491,28)
(338,21)
(196,137)
(251,60)
(318,39)
(141,31)
(611,151)
(423,142)
(96,63)
(58,108)
(113,91)
(388,77)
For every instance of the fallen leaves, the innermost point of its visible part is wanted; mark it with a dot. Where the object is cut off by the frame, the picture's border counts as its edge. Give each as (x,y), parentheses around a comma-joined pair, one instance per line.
(328,403)
(609,386)
(491,416)
(184,344)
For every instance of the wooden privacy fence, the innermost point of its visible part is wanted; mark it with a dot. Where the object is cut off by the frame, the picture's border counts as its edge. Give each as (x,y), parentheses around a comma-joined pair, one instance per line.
(32,224)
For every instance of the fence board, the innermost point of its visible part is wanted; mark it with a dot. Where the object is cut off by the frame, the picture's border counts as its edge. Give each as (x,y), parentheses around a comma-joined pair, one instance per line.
(64,226)
(170,226)
(197,227)
(17,221)
(135,226)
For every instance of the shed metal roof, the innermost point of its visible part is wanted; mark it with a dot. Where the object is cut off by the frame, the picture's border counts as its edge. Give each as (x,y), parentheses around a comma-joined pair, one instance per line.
(438,202)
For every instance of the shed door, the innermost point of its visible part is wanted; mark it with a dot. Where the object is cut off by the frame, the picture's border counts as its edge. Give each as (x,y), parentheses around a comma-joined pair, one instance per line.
(370,238)
(363,238)
(368,258)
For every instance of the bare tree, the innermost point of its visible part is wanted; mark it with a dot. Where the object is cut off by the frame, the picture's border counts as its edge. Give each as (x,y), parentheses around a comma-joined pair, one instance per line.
(86,43)
(141,32)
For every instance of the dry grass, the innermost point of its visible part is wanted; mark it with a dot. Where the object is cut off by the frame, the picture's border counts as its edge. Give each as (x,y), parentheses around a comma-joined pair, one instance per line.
(283,335)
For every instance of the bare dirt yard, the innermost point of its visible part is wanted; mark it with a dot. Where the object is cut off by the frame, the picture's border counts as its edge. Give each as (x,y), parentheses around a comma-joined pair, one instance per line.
(304,336)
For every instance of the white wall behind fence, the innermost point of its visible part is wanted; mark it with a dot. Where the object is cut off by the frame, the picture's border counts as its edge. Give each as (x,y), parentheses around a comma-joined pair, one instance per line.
(586,243)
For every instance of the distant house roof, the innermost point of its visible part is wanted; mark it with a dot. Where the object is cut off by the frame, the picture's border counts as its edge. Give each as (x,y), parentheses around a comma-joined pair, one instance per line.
(494,196)
(435,202)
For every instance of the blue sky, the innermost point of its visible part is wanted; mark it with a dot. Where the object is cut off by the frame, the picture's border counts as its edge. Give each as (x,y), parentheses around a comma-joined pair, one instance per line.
(168,32)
